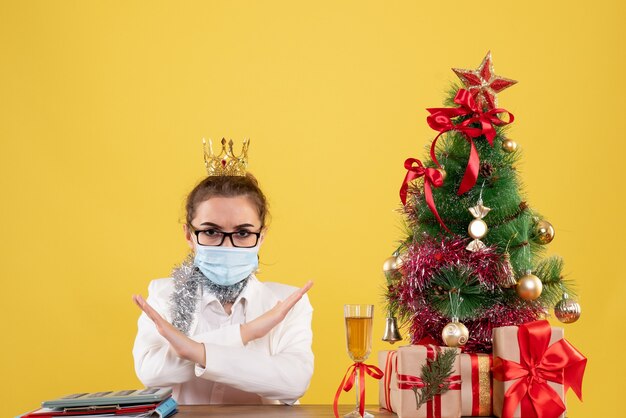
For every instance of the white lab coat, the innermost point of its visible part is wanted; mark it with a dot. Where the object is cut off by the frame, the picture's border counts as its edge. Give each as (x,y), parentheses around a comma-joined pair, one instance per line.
(276,368)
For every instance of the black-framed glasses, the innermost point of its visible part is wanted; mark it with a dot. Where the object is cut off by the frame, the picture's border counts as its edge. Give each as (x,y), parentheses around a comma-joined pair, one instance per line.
(215,238)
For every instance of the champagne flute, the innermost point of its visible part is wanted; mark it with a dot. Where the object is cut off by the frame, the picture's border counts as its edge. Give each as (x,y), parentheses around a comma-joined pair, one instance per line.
(359,342)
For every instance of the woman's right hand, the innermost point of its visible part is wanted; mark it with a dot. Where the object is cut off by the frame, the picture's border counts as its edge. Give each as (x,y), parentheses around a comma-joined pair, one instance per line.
(263,324)
(183,346)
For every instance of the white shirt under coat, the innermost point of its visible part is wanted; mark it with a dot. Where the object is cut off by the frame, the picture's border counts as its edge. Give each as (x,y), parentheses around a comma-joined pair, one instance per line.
(274,369)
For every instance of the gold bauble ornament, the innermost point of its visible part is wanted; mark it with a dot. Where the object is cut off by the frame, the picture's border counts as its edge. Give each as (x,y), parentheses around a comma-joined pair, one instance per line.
(508,145)
(567,310)
(390,264)
(400,259)
(455,334)
(544,232)
(529,287)
(443,173)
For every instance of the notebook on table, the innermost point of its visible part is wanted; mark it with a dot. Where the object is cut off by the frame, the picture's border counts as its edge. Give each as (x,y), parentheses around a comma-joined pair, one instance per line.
(141,403)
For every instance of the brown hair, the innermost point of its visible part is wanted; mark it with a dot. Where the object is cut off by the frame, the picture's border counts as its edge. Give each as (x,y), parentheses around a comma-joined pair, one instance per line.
(227,186)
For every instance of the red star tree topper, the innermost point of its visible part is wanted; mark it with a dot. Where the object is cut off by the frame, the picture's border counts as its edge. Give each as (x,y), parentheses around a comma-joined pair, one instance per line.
(483,83)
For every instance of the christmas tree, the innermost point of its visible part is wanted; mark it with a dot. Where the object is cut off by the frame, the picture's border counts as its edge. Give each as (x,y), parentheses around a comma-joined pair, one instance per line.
(473,256)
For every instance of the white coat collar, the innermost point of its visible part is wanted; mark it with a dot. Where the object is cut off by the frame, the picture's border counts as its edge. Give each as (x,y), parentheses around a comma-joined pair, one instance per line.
(255,296)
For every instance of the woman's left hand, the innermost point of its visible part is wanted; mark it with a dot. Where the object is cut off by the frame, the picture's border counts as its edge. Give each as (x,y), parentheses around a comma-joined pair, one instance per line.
(183,346)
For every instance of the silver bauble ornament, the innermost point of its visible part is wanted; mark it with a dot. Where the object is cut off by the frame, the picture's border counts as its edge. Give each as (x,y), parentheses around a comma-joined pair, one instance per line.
(567,310)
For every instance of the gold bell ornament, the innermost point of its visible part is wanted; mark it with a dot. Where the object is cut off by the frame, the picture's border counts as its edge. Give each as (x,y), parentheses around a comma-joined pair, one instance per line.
(567,310)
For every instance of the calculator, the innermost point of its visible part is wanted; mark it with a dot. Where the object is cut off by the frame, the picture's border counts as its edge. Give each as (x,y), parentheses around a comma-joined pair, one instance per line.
(120,397)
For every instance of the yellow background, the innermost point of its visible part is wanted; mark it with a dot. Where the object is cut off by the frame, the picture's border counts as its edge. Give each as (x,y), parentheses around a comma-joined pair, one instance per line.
(103,106)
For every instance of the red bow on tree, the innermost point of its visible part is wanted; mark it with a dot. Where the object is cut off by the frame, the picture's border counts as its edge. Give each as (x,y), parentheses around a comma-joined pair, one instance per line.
(440,119)
(432,177)
(539,363)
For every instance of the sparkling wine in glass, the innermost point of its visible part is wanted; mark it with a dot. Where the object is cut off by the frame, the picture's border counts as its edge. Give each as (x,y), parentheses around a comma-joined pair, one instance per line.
(359,342)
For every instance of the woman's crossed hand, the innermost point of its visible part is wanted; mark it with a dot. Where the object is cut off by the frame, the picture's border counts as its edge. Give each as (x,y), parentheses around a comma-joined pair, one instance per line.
(260,326)
(188,349)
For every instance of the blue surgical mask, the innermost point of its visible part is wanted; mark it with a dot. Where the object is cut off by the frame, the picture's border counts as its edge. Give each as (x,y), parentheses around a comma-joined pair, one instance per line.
(226,265)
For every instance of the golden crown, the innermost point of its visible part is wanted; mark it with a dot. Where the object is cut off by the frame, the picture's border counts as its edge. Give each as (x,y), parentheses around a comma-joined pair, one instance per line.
(226,163)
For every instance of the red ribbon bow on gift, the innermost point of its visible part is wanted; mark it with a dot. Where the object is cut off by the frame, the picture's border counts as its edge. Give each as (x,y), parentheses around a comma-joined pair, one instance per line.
(440,119)
(432,177)
(348,382)
(539,363)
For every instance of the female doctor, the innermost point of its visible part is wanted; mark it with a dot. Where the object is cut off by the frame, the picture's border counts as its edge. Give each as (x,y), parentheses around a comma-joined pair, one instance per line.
(214,332)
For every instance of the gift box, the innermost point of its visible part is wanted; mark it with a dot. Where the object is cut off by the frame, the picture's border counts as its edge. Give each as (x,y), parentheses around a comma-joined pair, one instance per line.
(533,367)
(409,362)
(387,363)
(476,388)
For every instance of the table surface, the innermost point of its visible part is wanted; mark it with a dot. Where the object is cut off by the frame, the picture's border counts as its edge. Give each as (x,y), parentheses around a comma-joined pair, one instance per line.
(300,411)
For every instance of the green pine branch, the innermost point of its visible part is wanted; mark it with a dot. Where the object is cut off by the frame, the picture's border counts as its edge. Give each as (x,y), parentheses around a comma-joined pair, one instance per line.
(549,272)
(458,284)
(436,377)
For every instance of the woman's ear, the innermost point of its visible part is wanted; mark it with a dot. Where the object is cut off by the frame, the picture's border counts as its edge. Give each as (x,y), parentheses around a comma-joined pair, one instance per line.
(189,237)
